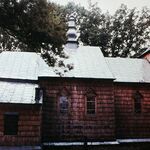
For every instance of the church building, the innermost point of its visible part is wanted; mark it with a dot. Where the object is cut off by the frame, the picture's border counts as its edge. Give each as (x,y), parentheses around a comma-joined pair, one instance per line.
(99,100)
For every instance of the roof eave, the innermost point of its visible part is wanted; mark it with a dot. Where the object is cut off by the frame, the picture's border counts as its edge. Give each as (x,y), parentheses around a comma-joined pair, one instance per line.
(91,78)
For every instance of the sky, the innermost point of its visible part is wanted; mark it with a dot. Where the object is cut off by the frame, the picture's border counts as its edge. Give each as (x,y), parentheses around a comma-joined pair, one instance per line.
(109,5)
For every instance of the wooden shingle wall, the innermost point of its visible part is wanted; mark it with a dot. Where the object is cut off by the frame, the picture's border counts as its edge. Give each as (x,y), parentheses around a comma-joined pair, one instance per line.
(76,125)
(28,124)
(147,56)
(130,124)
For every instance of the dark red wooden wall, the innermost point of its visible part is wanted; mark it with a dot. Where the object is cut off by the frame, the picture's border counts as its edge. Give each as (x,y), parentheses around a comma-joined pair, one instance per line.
(147,57)
(128,123)
(77,125)
(29,130)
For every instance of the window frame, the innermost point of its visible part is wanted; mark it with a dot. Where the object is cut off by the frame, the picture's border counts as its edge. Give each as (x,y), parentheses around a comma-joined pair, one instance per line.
(64,92)
(90,109)
(90,93)
(39,95)
(137,102)
(8,116)
(66,102)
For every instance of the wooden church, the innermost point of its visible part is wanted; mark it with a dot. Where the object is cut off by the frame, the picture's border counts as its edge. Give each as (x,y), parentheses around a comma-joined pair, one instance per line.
(100,100)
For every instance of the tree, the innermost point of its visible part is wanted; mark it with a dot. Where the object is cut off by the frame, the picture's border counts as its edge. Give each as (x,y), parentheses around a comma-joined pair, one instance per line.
(95,29)
(79,11)
(123,34)
(32,25)
(130,31)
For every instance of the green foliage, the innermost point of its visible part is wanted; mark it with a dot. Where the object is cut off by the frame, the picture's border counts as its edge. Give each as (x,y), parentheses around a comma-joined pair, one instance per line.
(130,31)
(123,34)
(79,11)
(94,29)
(38,26)
(32,25)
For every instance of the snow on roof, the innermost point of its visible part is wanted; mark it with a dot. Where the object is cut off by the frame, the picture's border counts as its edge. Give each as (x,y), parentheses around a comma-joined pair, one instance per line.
(17,92)
(129,69)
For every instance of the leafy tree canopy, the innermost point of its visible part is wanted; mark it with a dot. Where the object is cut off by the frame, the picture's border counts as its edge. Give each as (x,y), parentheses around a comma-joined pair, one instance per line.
(123,34)
(130,31)
(32,25)
(39,26)
(94,28)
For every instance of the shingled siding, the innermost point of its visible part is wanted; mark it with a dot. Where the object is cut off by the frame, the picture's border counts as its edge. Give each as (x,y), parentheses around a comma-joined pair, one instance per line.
(77,125)
(147,56)
(130,124)
(28,124)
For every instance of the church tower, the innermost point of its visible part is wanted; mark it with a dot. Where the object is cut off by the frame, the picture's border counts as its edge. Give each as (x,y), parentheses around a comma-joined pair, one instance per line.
(72,39)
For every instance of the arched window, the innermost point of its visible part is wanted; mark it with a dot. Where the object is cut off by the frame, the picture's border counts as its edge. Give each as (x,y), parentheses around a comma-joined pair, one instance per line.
(64,101)
(137,102)
(90,102)
(63,104)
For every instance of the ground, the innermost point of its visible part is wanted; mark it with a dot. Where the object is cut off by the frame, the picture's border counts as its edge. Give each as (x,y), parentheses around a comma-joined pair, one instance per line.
(137,146)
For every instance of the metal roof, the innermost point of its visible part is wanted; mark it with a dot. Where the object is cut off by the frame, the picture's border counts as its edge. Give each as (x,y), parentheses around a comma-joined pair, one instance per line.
(129,69)
(26,65)
(17,92)
(87,61)
(21,65)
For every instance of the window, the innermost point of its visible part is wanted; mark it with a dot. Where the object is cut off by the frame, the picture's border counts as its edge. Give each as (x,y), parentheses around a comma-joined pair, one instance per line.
(38,95)
(90,105)
(63,101)
(90,102)
(137,102)
(10,123)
